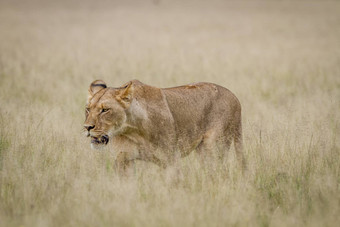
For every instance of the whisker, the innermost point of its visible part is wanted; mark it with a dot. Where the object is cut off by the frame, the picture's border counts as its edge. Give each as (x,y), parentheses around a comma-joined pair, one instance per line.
(98,131)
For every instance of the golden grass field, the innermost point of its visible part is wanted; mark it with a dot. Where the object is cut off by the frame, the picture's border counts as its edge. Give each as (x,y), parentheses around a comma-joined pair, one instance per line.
(280,58)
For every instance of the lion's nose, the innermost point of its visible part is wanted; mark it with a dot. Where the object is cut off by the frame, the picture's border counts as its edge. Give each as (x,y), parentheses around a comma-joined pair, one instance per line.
(89,127)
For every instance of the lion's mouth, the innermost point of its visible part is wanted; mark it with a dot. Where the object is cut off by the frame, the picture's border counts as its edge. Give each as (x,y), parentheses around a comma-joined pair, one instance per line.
(102,140)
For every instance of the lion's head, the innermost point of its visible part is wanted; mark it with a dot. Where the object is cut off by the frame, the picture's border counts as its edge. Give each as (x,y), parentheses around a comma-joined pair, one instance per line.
(105,112)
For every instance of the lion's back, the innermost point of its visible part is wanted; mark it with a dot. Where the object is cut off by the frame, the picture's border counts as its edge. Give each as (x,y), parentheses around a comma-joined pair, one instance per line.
(200,106)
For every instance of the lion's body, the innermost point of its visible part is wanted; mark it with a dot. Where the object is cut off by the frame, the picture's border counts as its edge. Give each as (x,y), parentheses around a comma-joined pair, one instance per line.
(161,125)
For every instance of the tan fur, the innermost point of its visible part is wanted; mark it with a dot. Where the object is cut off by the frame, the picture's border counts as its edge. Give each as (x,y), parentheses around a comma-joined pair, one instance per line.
(159,125)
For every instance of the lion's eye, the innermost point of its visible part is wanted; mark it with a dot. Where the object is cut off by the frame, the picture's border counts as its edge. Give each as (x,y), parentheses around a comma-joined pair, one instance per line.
(104,110)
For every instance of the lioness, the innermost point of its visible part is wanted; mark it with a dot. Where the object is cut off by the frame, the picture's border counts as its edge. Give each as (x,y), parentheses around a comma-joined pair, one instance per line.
(159,125)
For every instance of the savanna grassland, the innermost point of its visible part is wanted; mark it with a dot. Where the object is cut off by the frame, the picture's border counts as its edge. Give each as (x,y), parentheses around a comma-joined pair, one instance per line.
(281,59)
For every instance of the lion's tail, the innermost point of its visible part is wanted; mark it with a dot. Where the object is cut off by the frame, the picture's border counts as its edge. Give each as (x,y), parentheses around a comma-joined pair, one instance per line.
(238,143)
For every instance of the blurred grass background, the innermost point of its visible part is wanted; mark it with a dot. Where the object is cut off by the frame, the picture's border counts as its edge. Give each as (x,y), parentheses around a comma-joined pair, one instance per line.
(281,59)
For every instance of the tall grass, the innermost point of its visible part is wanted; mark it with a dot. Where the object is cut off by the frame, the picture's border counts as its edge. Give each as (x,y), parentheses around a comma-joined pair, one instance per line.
(281,58)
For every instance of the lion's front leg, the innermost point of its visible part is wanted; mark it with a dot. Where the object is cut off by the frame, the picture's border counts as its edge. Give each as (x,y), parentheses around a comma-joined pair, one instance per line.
(125,163)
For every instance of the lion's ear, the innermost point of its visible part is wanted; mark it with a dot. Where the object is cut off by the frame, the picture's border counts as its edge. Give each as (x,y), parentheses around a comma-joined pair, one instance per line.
(126,94)
(96,86)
